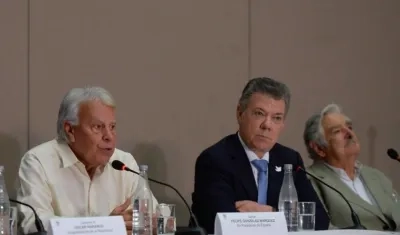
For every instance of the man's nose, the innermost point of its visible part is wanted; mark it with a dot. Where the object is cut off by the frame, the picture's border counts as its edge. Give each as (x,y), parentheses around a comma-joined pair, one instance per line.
(267,123)
(348,134)
(108,134)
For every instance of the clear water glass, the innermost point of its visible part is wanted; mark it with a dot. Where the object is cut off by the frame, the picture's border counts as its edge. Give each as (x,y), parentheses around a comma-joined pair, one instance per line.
(13,220)
(306,216)
(166,219)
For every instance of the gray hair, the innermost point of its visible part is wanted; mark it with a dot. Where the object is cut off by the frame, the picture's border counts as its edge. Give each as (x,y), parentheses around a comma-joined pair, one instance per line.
(313,131)
(69,107)
(267,86)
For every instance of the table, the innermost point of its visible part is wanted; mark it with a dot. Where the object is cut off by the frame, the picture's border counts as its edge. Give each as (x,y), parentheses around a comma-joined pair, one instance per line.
(343,232)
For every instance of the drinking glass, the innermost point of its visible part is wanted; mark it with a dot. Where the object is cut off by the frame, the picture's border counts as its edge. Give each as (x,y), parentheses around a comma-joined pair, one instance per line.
(306,216)
(166,219)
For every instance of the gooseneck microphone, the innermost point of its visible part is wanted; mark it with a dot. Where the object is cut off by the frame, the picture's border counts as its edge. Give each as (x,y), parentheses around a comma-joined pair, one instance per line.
(38,222)
(354,216)
(118,165)
(393,154)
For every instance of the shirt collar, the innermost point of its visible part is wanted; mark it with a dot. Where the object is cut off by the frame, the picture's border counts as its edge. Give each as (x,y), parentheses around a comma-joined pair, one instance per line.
(341,172)
(68,158)
(250,154)
(65,153)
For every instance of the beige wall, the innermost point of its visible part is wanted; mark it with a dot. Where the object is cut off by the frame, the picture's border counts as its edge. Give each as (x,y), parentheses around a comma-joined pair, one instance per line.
(13,86)
(176,69)
(335,51)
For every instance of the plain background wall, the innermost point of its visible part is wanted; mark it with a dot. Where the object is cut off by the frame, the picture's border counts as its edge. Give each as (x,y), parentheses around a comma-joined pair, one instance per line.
(176,69)
(13,87)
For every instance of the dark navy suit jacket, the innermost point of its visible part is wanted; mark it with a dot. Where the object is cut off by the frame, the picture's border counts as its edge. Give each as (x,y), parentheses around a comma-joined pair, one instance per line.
(223,176)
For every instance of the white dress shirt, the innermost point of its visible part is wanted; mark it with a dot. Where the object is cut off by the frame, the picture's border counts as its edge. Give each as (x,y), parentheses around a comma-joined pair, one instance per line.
(54,182)
(356,185)
(252,156)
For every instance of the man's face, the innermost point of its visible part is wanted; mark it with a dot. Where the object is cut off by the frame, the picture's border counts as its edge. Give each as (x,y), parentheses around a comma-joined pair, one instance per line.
(93,139)
(342,142)
(261,122)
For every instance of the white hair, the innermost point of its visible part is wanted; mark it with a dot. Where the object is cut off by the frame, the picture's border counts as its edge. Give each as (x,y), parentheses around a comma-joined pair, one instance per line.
(69,107)
(314,132)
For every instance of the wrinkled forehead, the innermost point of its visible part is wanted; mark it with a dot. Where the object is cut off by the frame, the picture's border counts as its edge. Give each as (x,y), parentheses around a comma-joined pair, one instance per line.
(267,103)
(96,111)
(334,120)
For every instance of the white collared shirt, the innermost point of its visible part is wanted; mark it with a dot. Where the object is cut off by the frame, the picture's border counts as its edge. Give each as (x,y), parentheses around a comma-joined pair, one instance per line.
(56,184)
(252,156)
(357,185)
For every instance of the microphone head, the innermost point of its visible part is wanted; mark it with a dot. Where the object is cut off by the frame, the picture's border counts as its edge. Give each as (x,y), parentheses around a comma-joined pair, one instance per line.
(298,168)
(118,165)
(392,154)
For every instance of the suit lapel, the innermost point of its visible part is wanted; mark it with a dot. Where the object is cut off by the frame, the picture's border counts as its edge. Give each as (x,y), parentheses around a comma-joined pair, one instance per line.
(275,177)
(374,186)
(243,168)
(330,177)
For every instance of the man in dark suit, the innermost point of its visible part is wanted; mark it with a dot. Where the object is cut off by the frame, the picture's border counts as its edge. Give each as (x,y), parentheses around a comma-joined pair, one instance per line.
(243,172)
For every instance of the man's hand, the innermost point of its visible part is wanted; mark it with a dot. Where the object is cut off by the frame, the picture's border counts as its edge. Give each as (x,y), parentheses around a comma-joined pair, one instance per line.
(126,214)
(250,206)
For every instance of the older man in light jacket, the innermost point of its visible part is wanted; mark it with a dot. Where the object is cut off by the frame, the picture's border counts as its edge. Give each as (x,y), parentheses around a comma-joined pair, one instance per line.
(334,147)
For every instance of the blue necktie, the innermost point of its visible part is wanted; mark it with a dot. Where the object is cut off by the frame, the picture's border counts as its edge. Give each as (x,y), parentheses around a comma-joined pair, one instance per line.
(262,168)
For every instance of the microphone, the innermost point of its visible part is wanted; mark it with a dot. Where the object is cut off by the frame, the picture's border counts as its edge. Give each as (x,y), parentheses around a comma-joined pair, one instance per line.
(393,154)
(118,165)
(354,216)
(38,222)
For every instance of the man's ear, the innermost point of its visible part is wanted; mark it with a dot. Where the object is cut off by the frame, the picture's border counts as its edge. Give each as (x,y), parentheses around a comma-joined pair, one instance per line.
(69,131)
(317,149)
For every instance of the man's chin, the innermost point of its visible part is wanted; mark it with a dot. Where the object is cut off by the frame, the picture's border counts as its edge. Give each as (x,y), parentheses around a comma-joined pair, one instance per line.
(353,154)
(352,149)
(266,143)
(265,147)
(103,160)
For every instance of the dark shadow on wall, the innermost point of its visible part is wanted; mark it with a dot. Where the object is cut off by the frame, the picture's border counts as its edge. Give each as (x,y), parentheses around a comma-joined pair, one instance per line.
(372,133)
(35,140)
(154,156)
(10,157)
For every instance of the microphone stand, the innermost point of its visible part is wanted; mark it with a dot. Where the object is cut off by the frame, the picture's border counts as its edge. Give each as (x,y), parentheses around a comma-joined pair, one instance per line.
(354,216)
(38,222)
(118,165)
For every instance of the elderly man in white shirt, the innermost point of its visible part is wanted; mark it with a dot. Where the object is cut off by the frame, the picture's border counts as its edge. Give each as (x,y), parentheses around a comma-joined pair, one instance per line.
(334,147)
(71,176)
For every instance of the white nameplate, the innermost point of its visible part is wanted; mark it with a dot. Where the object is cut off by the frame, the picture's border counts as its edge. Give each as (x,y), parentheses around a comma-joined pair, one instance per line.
(107,225)
(254,223)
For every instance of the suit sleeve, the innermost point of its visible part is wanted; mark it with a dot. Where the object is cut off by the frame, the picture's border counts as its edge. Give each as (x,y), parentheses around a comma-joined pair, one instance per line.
(396,209)
(306,193)
(213,191)
(394,199)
